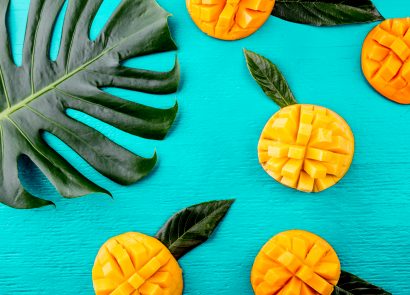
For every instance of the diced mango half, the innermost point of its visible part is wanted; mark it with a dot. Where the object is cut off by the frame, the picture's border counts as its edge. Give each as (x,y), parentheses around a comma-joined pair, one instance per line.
(229,19)
(306,147)
(386,59)
(295,262)
(134,263)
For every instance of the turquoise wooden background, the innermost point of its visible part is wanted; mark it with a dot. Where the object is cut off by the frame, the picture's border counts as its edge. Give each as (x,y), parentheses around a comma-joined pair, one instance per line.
(211,154)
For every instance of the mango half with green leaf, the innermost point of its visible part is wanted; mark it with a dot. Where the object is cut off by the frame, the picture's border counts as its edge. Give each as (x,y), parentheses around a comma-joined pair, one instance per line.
(229,19)
(306,147)
(137,264)
(299,262)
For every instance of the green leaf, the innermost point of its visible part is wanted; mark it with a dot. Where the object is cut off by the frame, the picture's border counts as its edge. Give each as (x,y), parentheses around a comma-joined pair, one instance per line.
(34,97)
(192,226)
(327,12)
(350,284)
(269,78)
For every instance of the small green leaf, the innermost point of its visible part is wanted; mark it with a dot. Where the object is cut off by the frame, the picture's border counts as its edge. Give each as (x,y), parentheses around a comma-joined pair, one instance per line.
(192,226)
(270,79)
(350,284)
(34,98)
(327,12)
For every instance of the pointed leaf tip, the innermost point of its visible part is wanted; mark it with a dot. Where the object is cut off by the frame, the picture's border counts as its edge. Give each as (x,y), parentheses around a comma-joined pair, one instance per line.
(192,226)
(350,284)
(327,12)
(269,78)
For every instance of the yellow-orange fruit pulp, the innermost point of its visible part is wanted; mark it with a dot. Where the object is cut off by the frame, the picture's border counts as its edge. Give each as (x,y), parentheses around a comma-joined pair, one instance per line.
(306,147)
(136,264)
(295,262)
(385,59)
(229,19)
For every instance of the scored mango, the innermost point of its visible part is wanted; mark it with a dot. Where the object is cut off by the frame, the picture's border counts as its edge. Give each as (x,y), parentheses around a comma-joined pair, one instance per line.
(385,59)
(306,147)
(295,262)
(229,19)
(136,264)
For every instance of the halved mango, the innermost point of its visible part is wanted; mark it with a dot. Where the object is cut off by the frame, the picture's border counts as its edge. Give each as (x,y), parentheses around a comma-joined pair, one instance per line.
(134,263)
(229,19)
(295,262)
(306,147)
(385,59)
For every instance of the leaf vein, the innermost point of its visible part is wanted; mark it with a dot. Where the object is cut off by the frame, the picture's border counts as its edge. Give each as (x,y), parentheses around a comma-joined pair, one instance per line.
(26,137)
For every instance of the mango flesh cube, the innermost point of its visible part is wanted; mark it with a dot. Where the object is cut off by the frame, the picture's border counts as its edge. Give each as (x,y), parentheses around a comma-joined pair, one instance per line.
(306,182)
(315,169)
(276,164)
(385,59)
(283,129)
(322,138)
(304,133)
(263,157)
(104,286)
(289,181)
(390,68)
(305,147)
(378,53)
(134,263)
(209,12)
(296,152)
(278,149)
(229,20)
(400,49)
(334,168)
(260,5)
(295,262)
(306,114)
(125,288)
(319,155)
(398,28)
(292,168)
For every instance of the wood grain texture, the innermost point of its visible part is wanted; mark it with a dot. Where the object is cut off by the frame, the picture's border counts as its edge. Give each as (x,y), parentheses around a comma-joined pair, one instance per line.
(211,154)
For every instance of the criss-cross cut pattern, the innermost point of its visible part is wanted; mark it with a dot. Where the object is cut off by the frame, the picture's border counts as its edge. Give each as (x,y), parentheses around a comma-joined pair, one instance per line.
(295,262)
(134,264)
(306,147)
(229,19)
(385,59)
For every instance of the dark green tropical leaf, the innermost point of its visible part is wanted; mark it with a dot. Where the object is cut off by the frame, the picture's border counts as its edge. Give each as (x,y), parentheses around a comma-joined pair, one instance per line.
(270,79)
(192,226)
(34,97)
(327,12)
(350,284)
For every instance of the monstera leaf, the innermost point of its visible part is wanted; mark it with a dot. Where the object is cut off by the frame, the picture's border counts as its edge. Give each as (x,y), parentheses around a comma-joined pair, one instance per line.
(34,97)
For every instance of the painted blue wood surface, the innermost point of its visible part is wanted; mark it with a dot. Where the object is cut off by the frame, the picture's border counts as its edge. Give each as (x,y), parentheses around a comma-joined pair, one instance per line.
(211,154)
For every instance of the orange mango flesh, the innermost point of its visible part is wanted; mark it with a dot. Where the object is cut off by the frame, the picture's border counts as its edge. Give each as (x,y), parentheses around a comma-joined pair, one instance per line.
(385,59)
(295,262)
(306,147)
(229,19)
(136,264)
